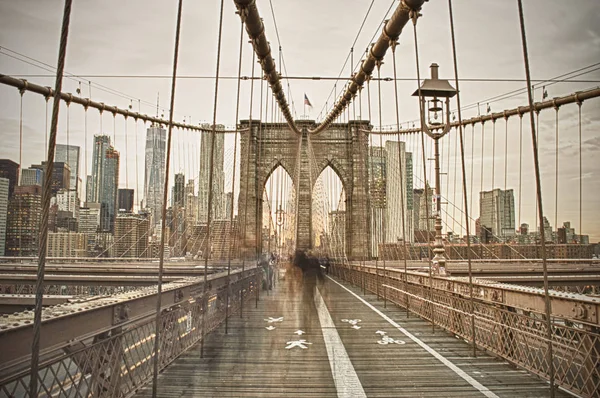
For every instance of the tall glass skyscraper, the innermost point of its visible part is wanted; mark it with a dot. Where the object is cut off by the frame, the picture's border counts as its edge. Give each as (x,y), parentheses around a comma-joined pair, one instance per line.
(104,183)
(154,179)
(69,154)
(218,186)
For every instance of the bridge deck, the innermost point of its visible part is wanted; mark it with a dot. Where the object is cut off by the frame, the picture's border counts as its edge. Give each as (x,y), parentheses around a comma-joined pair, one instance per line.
(339,359)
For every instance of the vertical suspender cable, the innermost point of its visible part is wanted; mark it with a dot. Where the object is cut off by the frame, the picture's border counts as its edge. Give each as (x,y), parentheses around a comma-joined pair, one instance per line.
(211,168)
(85,147)
(231,234)
(137,149)
(46,194)
(20,172)
(415,16)
(21,92)
(472,164)
(580,174)
(258,222)
(520,163)
(126,156)
(464,177)
(248,145)
(482,157)
(454,187)
(538,184)
(46,130)
(505,149)
(157,318)
(401,171)
(383,215)
(493,156)
(556,174)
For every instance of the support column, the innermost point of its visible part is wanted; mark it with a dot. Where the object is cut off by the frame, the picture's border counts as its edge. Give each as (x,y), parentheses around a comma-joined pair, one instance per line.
(247,214)
(358,225)
(304,197)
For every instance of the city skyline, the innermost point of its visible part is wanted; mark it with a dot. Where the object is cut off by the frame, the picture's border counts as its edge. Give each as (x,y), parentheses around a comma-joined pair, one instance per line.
(575,34)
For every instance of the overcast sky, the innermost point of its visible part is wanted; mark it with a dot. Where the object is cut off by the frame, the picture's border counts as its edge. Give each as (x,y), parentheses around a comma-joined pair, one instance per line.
(135,38)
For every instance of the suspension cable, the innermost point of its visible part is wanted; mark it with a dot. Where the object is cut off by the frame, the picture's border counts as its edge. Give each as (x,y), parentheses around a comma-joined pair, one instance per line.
(556,175)
(538,183)
(157,323)
(46,194)
(580,174)
(243,228)
(382,187)
(464,177)
(520,164)
(210,182)
(231,233)
(415,17)
(401,170)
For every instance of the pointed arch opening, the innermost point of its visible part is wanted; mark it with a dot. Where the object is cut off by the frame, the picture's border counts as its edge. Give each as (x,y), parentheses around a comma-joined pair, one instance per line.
(329,214)
(278,220)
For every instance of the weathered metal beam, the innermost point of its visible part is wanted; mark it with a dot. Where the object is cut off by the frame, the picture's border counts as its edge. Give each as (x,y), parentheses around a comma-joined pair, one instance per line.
(249,14)
(568,306)
(86,318)
(390,33)
(84,280)
(48,92)
(574,98)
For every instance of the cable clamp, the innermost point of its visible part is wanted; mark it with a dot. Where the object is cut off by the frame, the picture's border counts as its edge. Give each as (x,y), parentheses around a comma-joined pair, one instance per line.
(24,88)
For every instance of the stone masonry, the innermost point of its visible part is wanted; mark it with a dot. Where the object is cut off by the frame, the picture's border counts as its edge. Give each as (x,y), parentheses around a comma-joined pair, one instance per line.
(343,147)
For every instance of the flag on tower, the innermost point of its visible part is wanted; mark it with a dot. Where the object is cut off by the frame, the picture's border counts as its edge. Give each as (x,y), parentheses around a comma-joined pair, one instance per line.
(306,101)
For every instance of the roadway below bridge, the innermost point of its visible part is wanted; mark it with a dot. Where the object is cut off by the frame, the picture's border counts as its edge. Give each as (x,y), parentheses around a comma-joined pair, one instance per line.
(316,337)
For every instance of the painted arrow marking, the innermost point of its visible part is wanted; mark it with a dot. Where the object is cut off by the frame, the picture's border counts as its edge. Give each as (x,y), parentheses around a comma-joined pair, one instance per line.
(299,332)
(381,332)
(270,327)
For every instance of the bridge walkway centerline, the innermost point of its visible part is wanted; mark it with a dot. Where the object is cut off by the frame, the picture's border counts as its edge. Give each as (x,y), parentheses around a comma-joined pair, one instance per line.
(252,359)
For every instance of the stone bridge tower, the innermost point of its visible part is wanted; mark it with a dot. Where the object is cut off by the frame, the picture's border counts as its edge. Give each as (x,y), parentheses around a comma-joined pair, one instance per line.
(343,147)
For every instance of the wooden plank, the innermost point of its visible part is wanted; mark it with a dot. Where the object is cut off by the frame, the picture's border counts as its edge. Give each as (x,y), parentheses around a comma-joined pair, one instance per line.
(252,361)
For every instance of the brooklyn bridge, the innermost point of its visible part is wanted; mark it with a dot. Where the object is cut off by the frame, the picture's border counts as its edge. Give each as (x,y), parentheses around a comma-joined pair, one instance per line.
(422,234)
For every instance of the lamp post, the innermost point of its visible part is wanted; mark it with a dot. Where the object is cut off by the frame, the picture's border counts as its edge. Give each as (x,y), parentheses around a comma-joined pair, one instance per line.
(436,125)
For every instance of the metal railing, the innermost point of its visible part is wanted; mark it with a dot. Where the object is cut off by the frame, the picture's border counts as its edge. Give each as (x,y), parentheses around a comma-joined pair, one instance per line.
(118,360)
(512,331)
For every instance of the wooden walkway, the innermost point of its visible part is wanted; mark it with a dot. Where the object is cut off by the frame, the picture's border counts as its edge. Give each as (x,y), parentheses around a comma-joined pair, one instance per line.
(353,348)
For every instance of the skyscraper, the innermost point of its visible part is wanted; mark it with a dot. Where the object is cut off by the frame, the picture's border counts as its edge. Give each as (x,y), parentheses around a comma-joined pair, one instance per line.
(4,185)
(125,200)
(497,212)
(154,179)
(69,154)
(105,180)
(101,144)
(23,221)
(377,187)
(218,188)
(396,198)
(32,177)
(89,189)
(108,194)
(10,170)
(179,190)
(410,222)
(61,175)
(131,236)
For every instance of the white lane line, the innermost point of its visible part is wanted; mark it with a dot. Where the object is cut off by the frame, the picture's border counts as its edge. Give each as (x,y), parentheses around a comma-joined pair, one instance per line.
(344,375)
(483,389)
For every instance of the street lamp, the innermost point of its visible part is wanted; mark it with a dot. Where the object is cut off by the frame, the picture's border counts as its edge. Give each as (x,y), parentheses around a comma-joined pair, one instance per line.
(436,125)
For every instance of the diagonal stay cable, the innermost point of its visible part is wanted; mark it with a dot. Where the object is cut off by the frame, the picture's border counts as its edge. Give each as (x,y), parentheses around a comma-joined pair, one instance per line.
(157,323)
(46,194)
